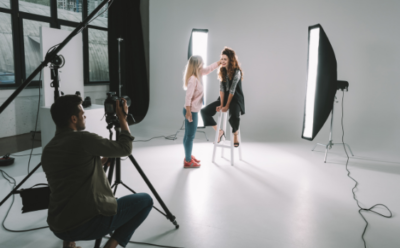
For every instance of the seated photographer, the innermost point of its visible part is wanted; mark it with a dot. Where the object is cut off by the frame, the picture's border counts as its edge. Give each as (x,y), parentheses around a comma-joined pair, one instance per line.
(82,205)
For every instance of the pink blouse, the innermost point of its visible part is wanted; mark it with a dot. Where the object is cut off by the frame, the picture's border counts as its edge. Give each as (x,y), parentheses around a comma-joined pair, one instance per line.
(194,92)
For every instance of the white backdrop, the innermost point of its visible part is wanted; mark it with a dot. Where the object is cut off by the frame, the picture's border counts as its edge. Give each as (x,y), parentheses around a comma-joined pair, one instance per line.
(270,38)
(72,73)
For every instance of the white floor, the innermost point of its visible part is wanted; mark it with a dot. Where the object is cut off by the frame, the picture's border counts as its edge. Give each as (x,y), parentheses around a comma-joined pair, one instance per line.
(281,195)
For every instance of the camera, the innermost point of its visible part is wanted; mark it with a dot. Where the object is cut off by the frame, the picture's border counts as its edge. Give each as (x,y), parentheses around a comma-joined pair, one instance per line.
(111,101)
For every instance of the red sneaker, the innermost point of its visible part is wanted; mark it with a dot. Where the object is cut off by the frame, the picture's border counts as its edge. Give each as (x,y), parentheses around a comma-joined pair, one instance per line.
(190,164)
(195,159)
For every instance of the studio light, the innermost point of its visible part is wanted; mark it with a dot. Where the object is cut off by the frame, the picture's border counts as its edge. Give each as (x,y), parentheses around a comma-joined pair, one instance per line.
(198,46)
(321,82)
(322,85)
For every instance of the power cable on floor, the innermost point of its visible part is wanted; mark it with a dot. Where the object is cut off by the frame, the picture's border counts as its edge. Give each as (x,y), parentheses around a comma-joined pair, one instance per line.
(169,137)
(355,186)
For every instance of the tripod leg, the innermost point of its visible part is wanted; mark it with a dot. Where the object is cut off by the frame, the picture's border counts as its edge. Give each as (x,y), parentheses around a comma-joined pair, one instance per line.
(19,185)
(326,153)
(169,214)
(136,193)
(115,189)
(350,149)
(314,147)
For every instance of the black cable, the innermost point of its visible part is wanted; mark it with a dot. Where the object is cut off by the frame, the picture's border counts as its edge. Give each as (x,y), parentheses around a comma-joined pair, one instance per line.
(162,136)
(12,181)
(355,186)
(37,117)
(143,243)
(169,137)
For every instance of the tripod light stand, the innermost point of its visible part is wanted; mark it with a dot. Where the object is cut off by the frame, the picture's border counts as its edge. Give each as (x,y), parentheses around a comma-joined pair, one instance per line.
(341,85)
(322,85)
(113,122)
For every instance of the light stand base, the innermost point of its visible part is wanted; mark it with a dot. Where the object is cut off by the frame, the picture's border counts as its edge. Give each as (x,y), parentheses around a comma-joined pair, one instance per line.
(329,146)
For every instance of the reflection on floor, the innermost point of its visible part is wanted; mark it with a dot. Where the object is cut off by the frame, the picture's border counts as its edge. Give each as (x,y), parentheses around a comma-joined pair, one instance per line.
(281,195)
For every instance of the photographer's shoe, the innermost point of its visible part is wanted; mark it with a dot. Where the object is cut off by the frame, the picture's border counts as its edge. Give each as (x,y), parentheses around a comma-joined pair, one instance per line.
(70,244)
(195,159)
(190,164)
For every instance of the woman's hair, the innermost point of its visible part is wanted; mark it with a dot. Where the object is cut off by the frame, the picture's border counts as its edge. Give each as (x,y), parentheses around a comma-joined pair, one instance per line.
(193,67)
(232,66)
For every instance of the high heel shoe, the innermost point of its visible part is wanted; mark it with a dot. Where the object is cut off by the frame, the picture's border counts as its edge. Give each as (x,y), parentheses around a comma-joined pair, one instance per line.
(236,144)
(220,137)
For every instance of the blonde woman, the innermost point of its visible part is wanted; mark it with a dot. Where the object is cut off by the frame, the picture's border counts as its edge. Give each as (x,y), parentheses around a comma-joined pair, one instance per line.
(193,85)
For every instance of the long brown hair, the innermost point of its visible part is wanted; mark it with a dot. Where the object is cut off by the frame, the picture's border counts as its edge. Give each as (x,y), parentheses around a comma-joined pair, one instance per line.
(233,65)
(193,67)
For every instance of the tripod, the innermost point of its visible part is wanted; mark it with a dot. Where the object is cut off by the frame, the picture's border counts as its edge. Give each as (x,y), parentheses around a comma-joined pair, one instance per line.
(117,164)
(330,143)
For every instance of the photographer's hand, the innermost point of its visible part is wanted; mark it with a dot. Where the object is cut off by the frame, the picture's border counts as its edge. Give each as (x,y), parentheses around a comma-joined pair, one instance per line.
(122,117)
(104,161)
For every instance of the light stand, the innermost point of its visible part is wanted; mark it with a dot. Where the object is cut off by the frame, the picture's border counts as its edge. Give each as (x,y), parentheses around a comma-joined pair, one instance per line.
(342,85)
(57,63)
(119,65)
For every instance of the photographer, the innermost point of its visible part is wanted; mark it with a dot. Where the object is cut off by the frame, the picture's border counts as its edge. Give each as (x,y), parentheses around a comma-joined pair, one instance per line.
(82,205)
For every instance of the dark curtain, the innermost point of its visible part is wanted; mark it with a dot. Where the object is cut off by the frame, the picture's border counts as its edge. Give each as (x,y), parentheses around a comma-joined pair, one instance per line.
(124,21)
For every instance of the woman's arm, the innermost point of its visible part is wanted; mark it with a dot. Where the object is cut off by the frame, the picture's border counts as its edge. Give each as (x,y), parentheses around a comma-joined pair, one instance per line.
(188,115)
(190,91)
(210,68)
(235,82)
(226,107)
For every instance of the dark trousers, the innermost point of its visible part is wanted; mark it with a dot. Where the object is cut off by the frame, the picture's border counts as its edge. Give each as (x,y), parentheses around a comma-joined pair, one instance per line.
(132,211)
(211,109)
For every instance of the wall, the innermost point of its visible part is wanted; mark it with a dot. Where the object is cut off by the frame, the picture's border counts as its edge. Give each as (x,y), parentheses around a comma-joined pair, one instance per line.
(271,40)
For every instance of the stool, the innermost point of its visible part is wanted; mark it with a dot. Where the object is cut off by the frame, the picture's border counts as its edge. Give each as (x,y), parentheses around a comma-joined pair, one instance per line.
(224,116)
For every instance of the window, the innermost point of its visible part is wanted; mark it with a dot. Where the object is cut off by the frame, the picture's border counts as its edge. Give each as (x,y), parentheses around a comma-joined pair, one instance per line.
(5,4)
(102,20)
(70,10)
(20,37)
(38,7)
(6,51)
(31,41)
(98,55)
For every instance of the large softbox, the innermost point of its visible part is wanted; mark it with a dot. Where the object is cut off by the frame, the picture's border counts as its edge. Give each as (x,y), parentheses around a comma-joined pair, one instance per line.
(321,82)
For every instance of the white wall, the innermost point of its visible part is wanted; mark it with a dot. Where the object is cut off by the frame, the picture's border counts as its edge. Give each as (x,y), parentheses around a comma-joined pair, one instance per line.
(270,38)
(20,116)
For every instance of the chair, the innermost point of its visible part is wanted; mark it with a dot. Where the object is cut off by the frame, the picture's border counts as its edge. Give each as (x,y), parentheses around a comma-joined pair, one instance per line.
(223,116)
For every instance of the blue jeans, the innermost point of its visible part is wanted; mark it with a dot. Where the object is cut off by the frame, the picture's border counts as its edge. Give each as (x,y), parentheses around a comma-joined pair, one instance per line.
(132,211)
(190,133)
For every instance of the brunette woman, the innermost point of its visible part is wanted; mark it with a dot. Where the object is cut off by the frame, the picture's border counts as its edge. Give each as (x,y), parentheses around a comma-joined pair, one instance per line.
(193,85)
(231,95)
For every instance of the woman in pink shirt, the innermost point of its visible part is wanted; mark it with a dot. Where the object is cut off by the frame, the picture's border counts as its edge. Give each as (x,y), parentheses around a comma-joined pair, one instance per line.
(193,85)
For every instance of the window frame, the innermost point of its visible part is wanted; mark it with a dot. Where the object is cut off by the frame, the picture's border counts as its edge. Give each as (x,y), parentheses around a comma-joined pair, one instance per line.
(17,19)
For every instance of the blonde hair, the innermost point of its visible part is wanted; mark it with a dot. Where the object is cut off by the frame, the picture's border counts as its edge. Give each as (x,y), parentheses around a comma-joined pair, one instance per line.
(193,67)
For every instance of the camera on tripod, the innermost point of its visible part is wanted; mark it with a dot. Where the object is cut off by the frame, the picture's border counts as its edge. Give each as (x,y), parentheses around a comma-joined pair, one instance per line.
(110,107)
(110,104)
